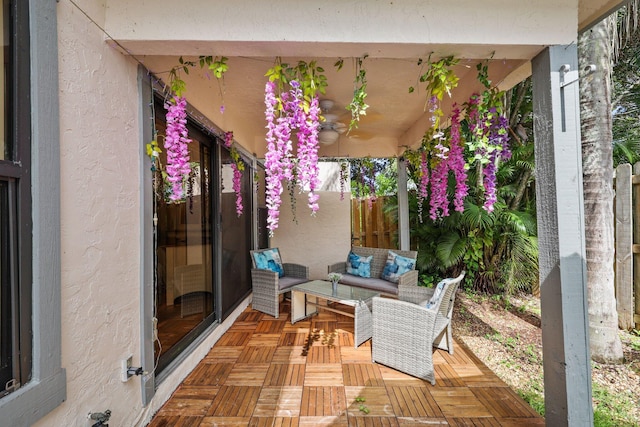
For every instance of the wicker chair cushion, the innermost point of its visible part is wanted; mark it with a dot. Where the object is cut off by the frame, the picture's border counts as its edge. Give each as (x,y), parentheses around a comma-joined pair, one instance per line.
(288,281)
(269,259)
(359,265)
(396,266)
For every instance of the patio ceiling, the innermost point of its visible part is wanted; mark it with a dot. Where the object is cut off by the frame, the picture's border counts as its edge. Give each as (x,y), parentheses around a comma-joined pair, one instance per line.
(395,117)
(392,37)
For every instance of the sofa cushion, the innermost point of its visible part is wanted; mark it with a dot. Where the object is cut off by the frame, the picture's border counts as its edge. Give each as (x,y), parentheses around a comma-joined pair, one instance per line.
(371,283)
(359,265)
(269,259)
(396,266)
(380,257)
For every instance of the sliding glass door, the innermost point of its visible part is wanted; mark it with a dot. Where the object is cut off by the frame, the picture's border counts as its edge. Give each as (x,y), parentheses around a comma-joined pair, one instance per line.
(236,234)
(202,243)
(185,292)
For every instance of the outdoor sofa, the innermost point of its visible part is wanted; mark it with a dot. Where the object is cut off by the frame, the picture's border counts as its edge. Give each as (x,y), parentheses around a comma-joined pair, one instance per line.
(378,269)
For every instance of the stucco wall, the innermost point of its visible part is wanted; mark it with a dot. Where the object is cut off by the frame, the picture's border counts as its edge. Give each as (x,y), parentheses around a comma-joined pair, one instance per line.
(458,22)
(320,240)
(100,209)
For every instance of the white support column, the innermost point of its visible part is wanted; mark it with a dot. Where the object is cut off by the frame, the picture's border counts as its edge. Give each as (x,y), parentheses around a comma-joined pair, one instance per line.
(403,207)
(563,277)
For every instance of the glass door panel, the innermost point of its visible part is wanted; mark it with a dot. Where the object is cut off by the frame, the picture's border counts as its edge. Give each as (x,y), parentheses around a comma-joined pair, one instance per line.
(185,297)
(236,233)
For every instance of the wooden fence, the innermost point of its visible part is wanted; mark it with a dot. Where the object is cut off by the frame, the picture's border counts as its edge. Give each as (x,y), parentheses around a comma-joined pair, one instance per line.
(370,226)
(627,238)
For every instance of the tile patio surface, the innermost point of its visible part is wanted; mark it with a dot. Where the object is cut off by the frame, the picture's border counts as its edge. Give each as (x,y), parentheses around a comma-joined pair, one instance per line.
(268,372)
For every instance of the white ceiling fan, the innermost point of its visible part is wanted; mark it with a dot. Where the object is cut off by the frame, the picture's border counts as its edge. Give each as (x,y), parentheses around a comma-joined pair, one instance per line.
(330,128)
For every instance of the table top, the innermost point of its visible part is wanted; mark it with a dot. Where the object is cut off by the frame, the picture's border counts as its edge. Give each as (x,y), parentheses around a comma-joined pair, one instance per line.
(345,294)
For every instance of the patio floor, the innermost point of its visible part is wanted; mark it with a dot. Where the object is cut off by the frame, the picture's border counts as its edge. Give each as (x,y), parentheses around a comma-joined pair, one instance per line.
(264,372)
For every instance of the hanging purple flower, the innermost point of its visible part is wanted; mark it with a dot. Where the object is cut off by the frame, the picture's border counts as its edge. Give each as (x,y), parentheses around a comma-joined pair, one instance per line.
(237,187)
(237,166)
(490,142)
(489,182)
(439,200)
(308,153)
(457,163)
(273,157)
(423,190)
(228,139)
(343,178)
(176,140)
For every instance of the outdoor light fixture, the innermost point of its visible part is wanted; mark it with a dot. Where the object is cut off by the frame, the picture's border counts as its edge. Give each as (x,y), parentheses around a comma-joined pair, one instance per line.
(328,136)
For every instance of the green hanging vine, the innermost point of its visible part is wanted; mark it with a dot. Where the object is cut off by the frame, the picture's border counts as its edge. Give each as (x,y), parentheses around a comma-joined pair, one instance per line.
(357,106)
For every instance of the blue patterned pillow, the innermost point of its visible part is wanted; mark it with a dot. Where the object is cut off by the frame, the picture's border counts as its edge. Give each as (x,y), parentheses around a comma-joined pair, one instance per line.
(396,266)
(359,265)
(269,260)
(437,294)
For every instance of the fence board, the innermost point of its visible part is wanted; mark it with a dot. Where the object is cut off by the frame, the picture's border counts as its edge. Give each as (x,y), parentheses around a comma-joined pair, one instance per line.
(636,240)
(369,224)
(624,247)
(379,225)
(356,223)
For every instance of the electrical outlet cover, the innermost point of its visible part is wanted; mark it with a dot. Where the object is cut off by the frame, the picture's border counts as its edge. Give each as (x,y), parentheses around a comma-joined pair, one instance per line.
(124,367)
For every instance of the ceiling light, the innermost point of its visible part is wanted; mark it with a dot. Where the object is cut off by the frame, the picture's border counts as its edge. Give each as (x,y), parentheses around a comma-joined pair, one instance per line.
(326,105)
(328,136)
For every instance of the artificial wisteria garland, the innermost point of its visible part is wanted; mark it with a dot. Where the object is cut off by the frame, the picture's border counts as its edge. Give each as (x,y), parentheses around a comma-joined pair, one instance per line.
(280,163)
(344,171)
(456,162)
(308,127)
(274,167)
(238,167)
(423,189)
(490,143)
(176,140)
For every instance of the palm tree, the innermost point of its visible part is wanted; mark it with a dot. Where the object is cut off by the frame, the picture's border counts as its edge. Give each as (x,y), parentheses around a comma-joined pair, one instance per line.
(596,46)
(626,101)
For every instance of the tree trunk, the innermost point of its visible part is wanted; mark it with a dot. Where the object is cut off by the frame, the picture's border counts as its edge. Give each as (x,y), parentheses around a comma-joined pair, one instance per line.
(595,47)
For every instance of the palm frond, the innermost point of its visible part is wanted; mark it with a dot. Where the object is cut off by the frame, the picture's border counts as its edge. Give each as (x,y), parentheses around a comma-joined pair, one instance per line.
(451,249)
(476,217)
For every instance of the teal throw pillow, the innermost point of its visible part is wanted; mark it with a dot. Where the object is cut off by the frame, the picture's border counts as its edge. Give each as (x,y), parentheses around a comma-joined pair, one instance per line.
(269,260)
(396,266)
(359,265)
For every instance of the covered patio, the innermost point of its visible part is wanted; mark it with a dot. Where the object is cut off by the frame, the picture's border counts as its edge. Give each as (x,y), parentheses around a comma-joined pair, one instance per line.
(89,80)
(391,40)
(268,372)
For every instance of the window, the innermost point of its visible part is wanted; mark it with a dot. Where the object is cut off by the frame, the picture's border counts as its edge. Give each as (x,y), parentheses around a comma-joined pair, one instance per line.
(15,315)
(30,355)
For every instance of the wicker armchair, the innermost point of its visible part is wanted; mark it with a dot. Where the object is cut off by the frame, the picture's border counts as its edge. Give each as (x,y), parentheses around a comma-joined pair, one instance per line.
(405,330)
(267,285)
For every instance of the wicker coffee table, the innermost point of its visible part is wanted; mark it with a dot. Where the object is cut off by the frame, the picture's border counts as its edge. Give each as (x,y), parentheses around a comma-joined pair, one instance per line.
(304,303)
